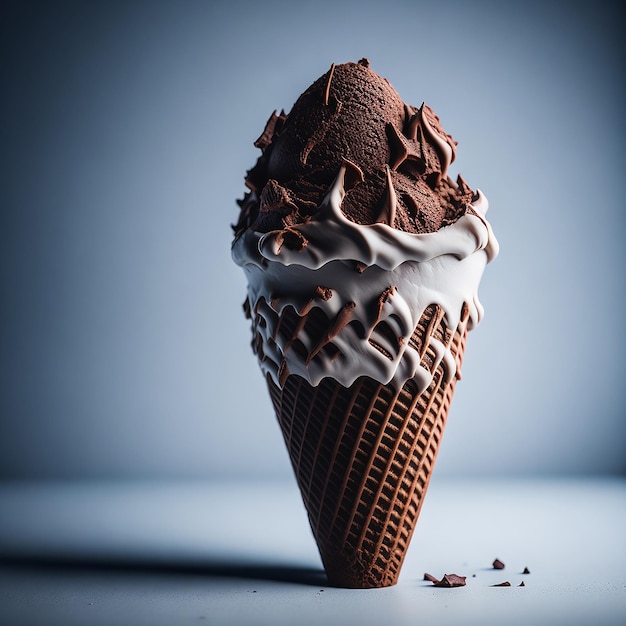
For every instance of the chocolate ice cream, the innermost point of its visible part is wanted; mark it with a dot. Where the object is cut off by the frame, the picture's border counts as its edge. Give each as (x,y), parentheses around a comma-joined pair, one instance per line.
(397,155)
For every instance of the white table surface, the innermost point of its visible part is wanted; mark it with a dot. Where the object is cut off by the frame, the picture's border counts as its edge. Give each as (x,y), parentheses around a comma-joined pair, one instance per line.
(241,553)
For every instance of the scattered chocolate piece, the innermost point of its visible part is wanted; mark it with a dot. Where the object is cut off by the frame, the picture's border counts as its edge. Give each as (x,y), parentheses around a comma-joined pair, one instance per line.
(526,571)
(451,580)
(431,578)
(522,584)
(498,564)
(506,583)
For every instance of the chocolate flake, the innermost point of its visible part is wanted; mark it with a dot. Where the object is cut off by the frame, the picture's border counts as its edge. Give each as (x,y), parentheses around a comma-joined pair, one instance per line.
(498,564)
(272,127)
(324,293)
(397,146)
(276,198)
(292,239)
(380,303)
(331,71)
(321,293)
(352,175)
(387,213)
(342,318)
(522,584)
(526,571)
(431,578)
(451,580)
(506,583)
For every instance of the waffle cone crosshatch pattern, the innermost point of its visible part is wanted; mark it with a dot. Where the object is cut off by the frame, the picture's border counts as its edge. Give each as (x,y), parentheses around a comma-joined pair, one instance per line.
(363,456)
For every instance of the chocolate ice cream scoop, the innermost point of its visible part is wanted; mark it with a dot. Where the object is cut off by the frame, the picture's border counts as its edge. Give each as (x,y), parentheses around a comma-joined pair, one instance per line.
(397,158)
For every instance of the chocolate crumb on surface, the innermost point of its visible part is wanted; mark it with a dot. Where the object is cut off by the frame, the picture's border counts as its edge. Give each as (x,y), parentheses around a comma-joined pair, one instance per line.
(522,584)
(430,578)
(451,580)
(506,583)
(498,564)
(526,571)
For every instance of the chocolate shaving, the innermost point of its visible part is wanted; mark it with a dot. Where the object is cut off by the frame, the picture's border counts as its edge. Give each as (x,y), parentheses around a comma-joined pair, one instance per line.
(323,293)
(318,134)
(299,326)
(341,320)
(522,584)
(328,81)
(275,197)
(526,571)
(352,175)
(380,303)
(412,122)
(387,213)
(292,239)
(272,127)
(451,580)
(498,564)
(398,147)
(506,583)
(431,578)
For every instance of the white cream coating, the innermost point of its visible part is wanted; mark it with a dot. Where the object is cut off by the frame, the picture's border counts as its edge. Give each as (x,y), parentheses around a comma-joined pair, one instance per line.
(404,274)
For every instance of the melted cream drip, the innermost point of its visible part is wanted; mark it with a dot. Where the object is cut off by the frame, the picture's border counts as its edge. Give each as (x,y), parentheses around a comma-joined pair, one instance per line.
(413,270)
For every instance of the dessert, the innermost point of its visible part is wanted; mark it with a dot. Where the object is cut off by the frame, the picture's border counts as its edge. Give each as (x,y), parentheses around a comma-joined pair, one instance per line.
(363,259)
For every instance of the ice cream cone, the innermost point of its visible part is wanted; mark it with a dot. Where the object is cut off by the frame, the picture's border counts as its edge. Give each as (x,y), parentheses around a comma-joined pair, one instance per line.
(363,260)
(363,457)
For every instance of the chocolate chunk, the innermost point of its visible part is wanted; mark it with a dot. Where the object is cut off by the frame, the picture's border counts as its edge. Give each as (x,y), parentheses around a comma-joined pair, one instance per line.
(451,580)
(431,578)
(498,564)
(526,571)
(522,584)
(292,239)
(506,583)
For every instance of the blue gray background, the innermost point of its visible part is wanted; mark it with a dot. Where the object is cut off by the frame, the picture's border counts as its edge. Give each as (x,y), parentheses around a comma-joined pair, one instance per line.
(126,130)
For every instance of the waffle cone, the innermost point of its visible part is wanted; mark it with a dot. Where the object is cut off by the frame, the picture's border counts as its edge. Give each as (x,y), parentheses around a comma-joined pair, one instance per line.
(363,456)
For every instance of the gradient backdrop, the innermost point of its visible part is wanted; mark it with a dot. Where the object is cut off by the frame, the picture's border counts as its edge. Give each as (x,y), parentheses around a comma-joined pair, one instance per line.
(126,131)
